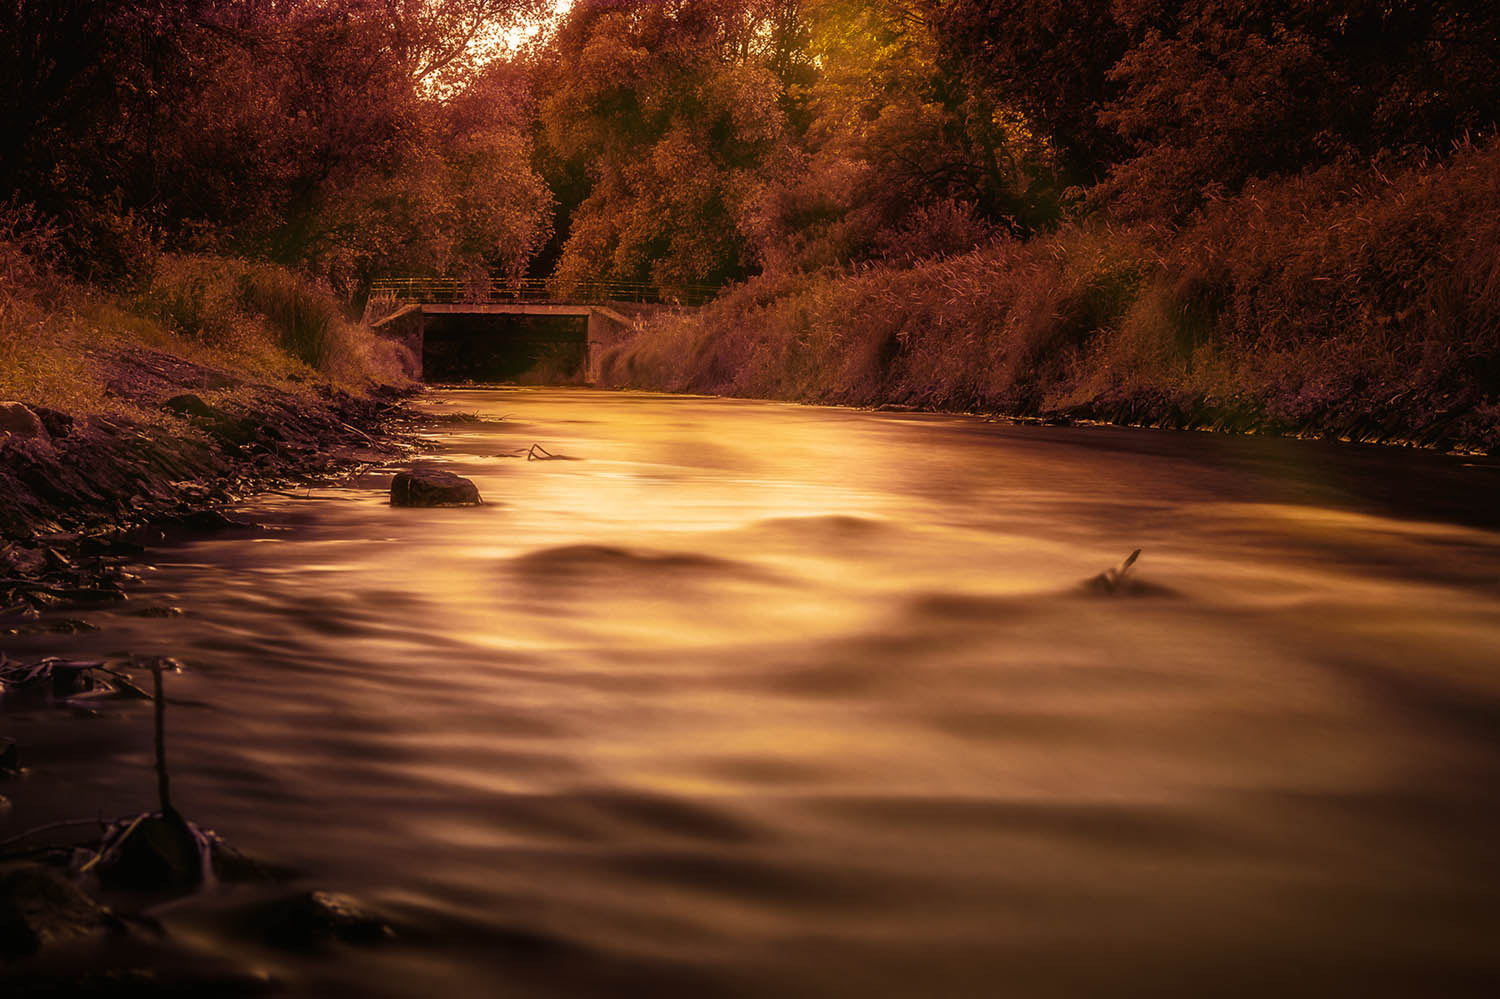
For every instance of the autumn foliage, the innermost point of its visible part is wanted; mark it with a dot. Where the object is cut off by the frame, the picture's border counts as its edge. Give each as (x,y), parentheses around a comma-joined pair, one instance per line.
(1273,214)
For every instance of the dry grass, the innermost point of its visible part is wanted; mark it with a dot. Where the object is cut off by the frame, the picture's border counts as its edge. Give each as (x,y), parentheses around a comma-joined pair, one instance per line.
(243,307)
(44,342)
(58,337)
(1345,302)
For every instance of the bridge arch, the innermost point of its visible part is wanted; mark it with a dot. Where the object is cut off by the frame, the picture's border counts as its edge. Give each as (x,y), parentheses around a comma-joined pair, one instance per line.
(496,330)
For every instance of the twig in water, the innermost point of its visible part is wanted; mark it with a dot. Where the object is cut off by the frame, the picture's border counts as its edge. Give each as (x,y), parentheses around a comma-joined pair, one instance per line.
(49,827)
(1113,580)
(163,789)
(125,682)
(355,476)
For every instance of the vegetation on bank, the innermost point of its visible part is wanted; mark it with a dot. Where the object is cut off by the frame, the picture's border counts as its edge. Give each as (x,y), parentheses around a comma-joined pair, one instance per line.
(1342,302)
(1190,213)
(214,377)
(1178,212)
(62,341)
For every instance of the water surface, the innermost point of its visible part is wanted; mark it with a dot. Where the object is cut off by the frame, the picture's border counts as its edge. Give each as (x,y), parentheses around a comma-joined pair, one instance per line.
(758,699)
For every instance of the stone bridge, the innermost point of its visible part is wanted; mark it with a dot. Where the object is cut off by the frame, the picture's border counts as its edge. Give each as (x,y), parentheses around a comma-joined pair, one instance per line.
(507,330)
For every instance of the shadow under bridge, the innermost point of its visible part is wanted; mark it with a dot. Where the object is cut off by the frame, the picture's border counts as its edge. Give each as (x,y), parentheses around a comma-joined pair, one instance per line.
(529,331)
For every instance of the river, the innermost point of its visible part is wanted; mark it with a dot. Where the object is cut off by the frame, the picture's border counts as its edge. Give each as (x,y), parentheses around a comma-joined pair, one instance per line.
(758,699)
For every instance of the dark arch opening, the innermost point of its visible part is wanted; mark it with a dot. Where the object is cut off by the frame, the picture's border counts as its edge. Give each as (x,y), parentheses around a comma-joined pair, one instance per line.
(504,348)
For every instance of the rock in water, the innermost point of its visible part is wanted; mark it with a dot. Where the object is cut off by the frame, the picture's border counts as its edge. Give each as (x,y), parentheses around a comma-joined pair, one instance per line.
(430,487)
(39,907)
(18,420)
(153,853)
(312,920)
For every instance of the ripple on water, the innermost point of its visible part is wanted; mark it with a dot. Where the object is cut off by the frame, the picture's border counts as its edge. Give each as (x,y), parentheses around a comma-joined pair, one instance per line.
(587,561)
(833,526)
(888,749)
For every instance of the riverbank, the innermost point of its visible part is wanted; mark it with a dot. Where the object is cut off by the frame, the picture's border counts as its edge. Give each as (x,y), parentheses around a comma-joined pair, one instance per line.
(214,378)
(74,487)
(129,421)
(1344,304)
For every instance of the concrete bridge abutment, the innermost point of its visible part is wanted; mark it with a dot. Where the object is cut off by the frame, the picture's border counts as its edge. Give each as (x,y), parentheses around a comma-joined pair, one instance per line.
(415,326)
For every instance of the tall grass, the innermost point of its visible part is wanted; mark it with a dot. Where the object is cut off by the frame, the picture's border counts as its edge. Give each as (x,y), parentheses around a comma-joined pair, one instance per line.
(43,359)
(234,304)
(1347,302)
(58,337)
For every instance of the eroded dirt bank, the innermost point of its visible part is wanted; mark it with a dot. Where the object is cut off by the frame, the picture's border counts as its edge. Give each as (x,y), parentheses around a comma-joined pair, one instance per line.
(76,489)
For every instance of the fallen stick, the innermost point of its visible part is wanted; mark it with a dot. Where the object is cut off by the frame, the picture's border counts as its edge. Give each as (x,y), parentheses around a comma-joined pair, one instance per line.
(357,431)
(49,827)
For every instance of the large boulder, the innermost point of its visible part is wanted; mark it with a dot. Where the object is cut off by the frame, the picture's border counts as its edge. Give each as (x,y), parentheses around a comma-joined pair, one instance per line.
(17,420)
(431,487)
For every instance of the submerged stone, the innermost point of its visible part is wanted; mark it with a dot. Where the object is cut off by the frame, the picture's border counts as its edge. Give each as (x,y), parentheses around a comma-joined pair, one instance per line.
(39,907)
(311,920)
(430,487)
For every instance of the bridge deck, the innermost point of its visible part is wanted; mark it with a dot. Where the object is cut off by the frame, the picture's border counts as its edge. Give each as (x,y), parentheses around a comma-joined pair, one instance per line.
(450,291)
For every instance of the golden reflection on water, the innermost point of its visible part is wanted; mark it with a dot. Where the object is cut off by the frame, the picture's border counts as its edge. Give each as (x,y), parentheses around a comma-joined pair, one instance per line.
(760,699)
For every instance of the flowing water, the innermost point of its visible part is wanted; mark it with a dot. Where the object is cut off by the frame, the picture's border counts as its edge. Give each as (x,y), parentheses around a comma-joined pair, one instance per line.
(759,699)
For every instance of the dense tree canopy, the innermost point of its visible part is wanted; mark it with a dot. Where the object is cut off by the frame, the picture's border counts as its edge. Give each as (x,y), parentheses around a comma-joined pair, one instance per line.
(694,141)
(299,130)
(1170,101)
(668,111)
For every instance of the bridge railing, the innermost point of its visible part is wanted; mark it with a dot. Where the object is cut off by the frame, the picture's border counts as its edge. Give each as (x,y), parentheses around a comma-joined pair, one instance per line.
(539,290)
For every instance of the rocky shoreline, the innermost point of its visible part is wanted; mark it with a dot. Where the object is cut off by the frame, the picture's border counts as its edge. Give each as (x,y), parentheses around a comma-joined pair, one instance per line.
(80,496)
(76,491)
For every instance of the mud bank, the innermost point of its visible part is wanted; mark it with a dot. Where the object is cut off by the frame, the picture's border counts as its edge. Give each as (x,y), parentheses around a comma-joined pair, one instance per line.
(1450,430)
(76,489)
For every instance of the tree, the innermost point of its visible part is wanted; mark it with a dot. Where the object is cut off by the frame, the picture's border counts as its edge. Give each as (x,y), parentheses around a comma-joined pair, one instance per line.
(661,114)
(464,202)
(901,156)
(1213,93)
(1048,60)
(256,126)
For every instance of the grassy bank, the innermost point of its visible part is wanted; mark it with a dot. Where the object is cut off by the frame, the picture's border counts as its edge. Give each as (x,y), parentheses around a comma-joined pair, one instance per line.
(1347,303)
(213,378)
(61,339)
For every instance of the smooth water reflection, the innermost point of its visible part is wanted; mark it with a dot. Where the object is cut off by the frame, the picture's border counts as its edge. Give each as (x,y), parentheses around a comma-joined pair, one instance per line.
(769,700)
